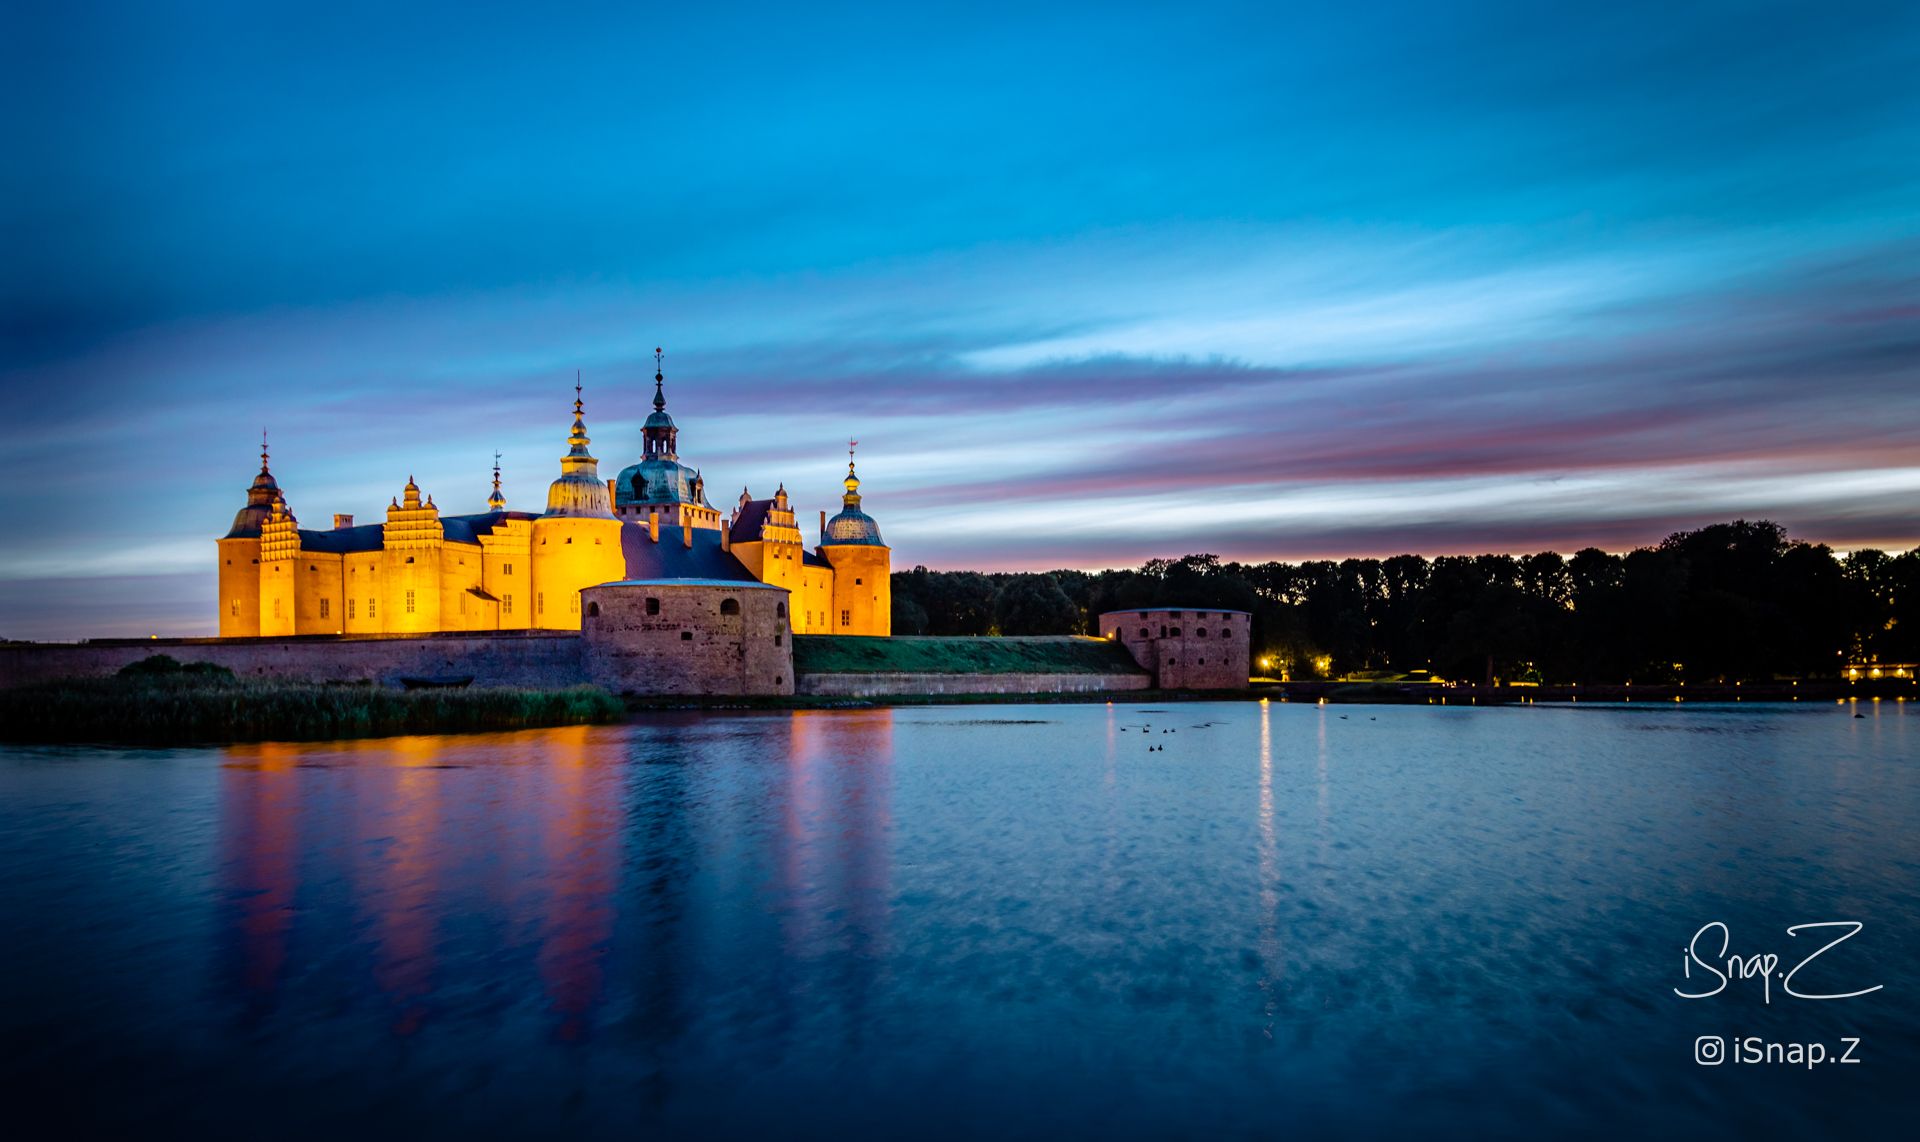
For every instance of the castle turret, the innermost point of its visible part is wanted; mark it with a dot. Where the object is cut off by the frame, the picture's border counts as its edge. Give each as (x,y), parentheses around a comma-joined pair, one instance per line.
(414,542)
(576,543)
(239,555)
(862,565)
(660,485)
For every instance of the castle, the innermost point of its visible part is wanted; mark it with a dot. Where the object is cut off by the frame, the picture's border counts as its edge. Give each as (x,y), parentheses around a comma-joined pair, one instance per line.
(422,572)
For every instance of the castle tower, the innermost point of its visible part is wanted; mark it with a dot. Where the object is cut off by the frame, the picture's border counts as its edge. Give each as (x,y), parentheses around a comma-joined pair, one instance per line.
(660,486)
(576,542)
(862,565)
(413,544)
(239,555)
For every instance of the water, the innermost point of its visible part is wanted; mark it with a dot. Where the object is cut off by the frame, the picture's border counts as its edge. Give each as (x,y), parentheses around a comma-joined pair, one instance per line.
(933,922)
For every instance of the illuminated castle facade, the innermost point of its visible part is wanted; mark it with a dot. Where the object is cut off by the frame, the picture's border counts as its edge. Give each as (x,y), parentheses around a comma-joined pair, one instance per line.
(421,571)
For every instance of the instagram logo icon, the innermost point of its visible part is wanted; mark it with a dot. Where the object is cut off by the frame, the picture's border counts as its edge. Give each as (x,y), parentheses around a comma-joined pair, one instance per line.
(1709,1050)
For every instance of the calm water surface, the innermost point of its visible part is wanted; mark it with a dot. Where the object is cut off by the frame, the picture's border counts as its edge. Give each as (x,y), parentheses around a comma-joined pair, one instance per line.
(944,922)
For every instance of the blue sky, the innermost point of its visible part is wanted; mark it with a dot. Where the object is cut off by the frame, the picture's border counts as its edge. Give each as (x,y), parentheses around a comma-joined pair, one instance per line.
(1092,283)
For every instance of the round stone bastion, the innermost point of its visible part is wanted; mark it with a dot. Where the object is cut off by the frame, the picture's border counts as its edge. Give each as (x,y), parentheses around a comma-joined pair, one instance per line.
(687,636)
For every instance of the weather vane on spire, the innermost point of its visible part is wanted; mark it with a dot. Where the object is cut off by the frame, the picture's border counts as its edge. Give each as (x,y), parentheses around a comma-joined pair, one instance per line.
(851,445)
(263,449)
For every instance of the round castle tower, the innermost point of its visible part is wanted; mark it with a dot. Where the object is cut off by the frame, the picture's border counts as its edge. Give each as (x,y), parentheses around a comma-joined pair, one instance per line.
(862,566)
(576,542)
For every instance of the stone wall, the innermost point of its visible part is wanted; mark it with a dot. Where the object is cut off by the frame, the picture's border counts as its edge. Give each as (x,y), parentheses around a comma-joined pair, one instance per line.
(687,636)
(1186,649)
(493,658)
(885,685)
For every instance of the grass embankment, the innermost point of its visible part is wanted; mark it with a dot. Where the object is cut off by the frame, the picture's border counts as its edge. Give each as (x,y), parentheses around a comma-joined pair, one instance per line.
(911,654)
(208,704)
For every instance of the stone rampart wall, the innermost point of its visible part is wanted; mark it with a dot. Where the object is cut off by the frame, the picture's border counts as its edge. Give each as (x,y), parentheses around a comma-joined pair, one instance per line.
(543,660)
(884,685)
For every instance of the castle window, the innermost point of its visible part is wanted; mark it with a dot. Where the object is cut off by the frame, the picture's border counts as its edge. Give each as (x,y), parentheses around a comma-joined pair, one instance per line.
(1200,662)
(409,558)
(653,606)
(409,600)
(1200,632)
(1163,631)
(596,541)
(506,569)
(776,640)
(350,603)
(857,582)
(311,567)
(686,636)
(1174,631)
(593,610)
(846,618)
(324,606)
(780,609)
(573,604)
(540,603)
(235,607)
(506,604)
(371,604)
(1143,633)
(729,606)
(1226,634)
(569,539)
(276,608)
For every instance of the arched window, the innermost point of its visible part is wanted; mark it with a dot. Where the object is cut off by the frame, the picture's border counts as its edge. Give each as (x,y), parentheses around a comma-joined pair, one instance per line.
(1200,632)
(780,609)
(729,606)
(593,610)
(1143,632)
(653,606)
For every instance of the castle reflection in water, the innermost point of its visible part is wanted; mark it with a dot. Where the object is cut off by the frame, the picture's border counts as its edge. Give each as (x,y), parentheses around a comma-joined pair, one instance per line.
(515,876)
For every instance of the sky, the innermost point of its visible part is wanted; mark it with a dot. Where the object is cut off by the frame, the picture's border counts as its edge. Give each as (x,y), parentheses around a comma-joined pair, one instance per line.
(1091,284)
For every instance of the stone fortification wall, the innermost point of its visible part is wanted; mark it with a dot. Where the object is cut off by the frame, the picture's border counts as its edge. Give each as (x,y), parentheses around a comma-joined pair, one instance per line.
(688,636)
(493,659)
(1186,649)
(888,684)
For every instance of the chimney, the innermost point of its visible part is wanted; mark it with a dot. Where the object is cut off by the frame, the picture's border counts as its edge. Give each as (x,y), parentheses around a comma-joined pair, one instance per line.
(613,493)
(653,524)
(340,521)
(686,532)
(823,526)
(726,538)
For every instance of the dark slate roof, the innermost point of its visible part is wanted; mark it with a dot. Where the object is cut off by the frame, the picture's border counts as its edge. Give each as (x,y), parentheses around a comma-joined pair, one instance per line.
(343,540)
(753,517)
(671,558)
(465,529)
(813,559)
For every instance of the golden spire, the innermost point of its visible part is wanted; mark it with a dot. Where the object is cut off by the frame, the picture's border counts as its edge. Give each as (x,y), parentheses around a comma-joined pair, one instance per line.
(852,482)
(577,439)
(496,502)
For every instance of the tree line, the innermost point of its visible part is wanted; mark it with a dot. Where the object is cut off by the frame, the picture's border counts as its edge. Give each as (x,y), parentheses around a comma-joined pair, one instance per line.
(1733,601)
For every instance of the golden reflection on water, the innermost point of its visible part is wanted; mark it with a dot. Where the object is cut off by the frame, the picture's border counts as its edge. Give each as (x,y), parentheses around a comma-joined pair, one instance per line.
(531,840)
